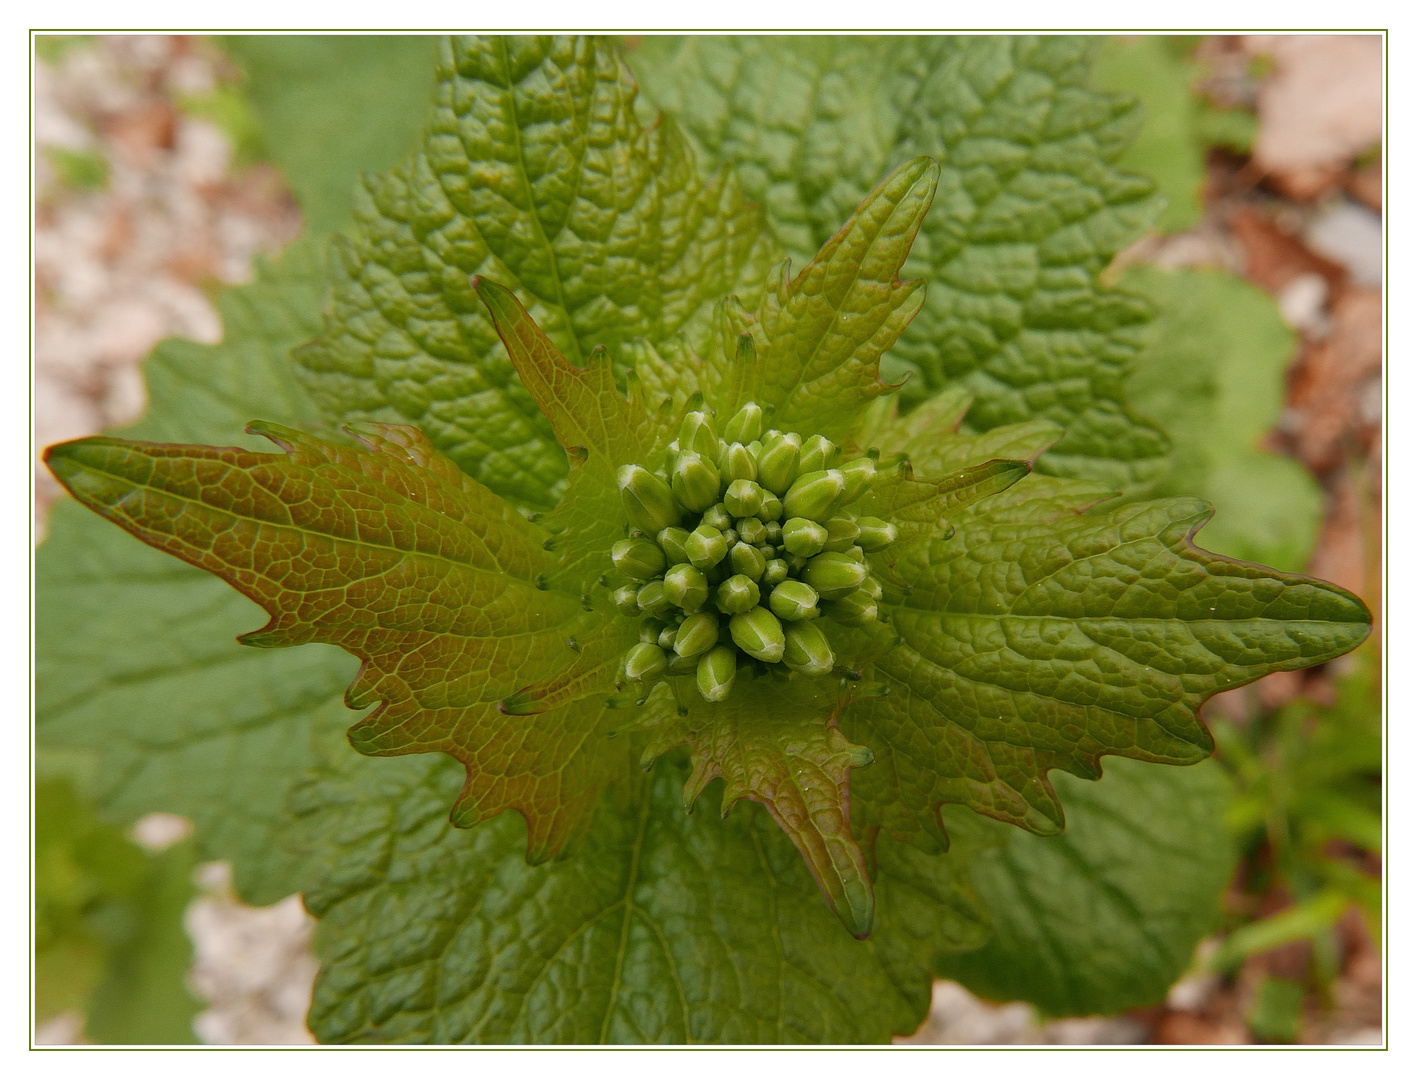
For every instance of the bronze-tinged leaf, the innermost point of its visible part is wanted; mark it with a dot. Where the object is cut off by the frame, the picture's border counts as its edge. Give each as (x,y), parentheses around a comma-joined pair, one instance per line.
(390,552)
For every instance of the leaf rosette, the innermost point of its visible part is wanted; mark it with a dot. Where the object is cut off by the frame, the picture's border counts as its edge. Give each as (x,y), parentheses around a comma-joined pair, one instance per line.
(982,625)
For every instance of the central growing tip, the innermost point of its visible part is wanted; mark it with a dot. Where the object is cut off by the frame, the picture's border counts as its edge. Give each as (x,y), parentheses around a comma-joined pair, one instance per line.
(736,545)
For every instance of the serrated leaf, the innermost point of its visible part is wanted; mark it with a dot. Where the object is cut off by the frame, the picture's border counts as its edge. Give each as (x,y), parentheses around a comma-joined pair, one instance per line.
(1039,638)
(536,173)
(1106,916)
(393,554)
(1213,374)
(1030,208)
(659,928)
(185,720)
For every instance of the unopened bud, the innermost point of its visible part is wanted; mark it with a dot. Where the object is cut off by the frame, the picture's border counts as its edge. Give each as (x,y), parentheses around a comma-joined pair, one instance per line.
(841,533)
(682,665)
(696,433)
(718,516)
(876,535)
(771,510)
(686,587)
(746,425)
(747,560)
(716,671)
(774,532)
(637,558)
(647,500)
(855,554)
(737,463)
(833,575)
(653,600)
(695,481)
(812,494)
(794,600)
(705,547)
(650,630)
(872,587)
(854,609)
(803,537)
(666,638)
(795,563)
(645,660)
(696,634)
(860,474)
(625,600)
(730,537)
(774,573)
(806,649)
(671,540)
(817,453)
(737,595)
(752,531)
(743,498)
(759,634)
(778,463)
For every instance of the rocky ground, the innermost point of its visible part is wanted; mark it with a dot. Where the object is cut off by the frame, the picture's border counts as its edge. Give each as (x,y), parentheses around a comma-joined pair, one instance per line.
(126,259)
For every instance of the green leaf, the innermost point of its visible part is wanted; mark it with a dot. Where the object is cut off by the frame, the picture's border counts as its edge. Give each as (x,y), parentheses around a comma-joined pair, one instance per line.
(1031,208)
(660,927)
(1106,916)
(1037,637)
(536,172)
(184,719)
(330,107)
(1213,376)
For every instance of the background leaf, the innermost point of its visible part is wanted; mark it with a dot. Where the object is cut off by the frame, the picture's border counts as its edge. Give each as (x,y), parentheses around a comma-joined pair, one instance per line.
(1106,916)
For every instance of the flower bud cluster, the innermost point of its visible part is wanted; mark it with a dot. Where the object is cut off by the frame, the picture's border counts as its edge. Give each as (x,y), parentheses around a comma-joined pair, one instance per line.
(737,545)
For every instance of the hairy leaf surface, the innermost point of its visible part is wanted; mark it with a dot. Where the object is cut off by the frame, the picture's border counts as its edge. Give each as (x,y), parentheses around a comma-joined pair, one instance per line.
(536,172)
(1030,207)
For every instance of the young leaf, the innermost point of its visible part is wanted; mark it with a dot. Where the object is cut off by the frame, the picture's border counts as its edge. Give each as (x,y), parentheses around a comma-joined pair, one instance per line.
(536,172)
(658,928)
(1106,916)
(1038,638)
(394,555)
(1030,207)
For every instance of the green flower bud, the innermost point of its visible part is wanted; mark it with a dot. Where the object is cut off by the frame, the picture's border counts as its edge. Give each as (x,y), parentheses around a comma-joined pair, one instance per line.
(719,517)
(648,502)
(759,634)
(812,494)
(854,609)
(855,554)
(637,558)
(736,595)
(666,638)
(746,425)
(771,510)
(672,541)
(806,649)
(682,665)
(695,481)
(743,498)
(774,573)
(730,537)
(774,532)
(737,463)
(768,551)
(625,600)
(803,537)
(817,453)
(696,634)
(833,575)
(752,531)
(716,672)
(686,587)
(860,475)
(841,533)
(654,600)
(777,464)
(696,433)
(645,660)
(876,535)
(650,630)
(747,560)
(872,587)
(795,563)
(794,600)
(705,547)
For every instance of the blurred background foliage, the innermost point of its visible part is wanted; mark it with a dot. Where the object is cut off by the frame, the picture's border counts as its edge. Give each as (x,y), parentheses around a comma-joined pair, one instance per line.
(1304,779)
